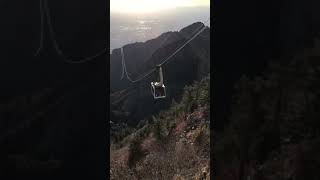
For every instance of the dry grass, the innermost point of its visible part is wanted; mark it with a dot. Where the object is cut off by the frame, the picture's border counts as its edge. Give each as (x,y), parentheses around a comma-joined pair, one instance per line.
(175,160)
(181,153)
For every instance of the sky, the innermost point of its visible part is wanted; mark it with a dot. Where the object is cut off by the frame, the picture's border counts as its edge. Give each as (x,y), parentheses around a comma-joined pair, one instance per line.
(150,6)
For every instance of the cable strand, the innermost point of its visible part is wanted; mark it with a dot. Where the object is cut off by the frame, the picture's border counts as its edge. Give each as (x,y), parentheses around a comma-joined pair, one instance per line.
(57,47)
(41,29)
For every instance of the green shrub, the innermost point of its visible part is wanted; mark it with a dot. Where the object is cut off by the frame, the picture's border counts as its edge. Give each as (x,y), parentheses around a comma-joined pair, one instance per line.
(135,152)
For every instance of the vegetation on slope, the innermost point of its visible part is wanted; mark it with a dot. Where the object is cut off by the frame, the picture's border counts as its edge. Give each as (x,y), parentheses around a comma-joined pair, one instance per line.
(174,144)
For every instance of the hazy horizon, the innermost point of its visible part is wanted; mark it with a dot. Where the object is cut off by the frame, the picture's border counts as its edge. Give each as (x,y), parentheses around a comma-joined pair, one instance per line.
(153,6)
(128,28)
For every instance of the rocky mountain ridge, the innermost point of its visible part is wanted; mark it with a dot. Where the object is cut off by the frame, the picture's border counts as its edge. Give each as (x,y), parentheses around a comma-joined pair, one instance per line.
(190,64)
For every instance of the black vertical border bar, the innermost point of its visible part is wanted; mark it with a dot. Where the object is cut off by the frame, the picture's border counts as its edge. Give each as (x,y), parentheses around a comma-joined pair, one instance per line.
(107,90)
(212,30)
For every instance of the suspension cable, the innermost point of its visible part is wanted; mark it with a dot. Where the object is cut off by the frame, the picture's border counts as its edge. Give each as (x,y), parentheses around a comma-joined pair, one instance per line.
(46,12)
(162,43)
(152,70)
(187,42)
(124,69)
(41,28)
(168,58)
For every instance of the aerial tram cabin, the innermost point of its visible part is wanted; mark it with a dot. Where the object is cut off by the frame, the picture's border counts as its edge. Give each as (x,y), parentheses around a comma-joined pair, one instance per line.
(158,89)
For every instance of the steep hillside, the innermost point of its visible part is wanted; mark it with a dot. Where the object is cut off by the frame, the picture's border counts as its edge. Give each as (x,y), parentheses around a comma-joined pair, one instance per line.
(174,144)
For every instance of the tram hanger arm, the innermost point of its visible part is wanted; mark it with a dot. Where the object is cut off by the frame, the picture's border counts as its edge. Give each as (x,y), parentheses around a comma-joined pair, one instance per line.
(160,75)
